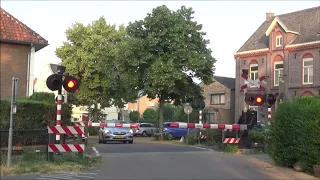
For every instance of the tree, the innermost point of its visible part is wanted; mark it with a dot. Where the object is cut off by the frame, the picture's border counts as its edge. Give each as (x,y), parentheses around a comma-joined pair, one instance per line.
(133,116)
(150,115)
(90,54)
(164,51)
(168,112)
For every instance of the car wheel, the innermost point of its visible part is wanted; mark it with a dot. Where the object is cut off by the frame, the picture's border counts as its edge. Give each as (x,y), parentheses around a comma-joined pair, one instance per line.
(130,142)
(170,136)
(105,142)
(144,134)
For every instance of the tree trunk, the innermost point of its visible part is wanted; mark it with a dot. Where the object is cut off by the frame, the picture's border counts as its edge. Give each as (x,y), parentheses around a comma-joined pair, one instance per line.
(95,112)
(161,107)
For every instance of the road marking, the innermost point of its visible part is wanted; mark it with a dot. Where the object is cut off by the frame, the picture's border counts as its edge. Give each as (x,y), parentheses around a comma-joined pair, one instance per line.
(96,151)
(202,148)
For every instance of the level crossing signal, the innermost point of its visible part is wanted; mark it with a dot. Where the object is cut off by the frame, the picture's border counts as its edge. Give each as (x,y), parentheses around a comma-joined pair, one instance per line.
(260,99)
(55,82)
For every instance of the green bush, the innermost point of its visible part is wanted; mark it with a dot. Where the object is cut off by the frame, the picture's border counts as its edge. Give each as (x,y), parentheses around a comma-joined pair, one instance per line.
(33,114)
(150,115)
(294,134)
(214,136)
(229,148)
(257,136)
(133,116)
(43,97)
(192,138)
(93,131)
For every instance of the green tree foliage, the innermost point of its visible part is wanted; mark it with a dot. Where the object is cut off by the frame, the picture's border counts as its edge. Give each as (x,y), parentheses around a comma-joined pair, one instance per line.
(165,51)
(294,133)
(90,54)
(133,116)
(150,115)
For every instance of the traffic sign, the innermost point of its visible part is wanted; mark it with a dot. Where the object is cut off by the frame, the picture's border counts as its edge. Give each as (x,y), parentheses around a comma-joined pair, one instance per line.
(187,109)
(253,82)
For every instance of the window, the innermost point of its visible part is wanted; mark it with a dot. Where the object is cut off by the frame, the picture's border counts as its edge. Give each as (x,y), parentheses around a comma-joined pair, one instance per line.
(278,72)
(279,41)
(217,99)
(308,71)
(253,72)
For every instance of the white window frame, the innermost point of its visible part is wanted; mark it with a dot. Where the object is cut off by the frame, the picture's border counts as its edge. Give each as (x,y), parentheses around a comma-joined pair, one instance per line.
(279,38)
(253,65)
(274,72)
(219,96)
(303,66)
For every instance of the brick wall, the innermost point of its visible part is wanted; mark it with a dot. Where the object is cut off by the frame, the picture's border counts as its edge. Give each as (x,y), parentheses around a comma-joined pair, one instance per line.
(14,62)
(225,114)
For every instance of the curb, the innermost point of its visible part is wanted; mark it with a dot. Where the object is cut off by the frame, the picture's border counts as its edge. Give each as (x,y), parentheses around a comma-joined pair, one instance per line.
(96,151)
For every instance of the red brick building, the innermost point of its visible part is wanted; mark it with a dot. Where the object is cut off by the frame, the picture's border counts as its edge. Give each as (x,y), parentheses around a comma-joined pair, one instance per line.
(287,49)
(18,44)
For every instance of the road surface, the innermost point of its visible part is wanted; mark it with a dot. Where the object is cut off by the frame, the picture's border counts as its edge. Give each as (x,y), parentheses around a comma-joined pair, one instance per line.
(146,161)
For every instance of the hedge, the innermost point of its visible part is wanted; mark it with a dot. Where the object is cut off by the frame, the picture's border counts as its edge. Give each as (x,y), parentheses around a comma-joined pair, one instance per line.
(294,134)
(33,114)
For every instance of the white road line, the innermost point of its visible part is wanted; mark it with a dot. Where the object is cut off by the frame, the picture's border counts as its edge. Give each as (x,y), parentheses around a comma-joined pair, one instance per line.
(202,148)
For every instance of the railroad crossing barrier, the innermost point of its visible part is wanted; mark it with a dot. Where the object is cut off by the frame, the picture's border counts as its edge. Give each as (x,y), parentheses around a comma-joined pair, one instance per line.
(231,140)
(117,125)
(236,127)
(63,130)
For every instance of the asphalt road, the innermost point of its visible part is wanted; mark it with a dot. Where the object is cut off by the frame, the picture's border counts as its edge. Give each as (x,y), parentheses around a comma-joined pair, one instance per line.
(145,161)
(160,161)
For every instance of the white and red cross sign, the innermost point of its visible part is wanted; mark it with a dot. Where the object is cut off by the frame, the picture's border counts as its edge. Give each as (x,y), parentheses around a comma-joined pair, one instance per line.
(252,82)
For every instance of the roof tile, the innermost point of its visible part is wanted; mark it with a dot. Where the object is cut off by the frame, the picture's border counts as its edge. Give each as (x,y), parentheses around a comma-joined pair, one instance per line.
(306,22)
(14,30)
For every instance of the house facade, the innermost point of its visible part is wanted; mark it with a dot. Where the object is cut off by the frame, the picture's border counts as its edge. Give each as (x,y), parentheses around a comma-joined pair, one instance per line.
(220,100)
(142,104)
(18,44)
(286,49)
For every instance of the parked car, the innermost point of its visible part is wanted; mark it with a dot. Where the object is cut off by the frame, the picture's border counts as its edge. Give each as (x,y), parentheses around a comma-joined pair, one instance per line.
(107,134)
(145,129)
(175,132)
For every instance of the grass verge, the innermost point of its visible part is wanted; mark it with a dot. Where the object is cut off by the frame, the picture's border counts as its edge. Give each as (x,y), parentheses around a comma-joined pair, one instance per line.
(32,162)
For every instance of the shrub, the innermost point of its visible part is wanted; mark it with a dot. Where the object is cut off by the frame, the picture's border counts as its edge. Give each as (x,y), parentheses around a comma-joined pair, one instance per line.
(192,138)
(93,131)
(294,134)
(33,114)
(229,148)
(133,116)
(43,97)
(150,115)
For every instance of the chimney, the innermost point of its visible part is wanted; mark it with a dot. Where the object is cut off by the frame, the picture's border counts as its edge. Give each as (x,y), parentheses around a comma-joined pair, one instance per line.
(269,16)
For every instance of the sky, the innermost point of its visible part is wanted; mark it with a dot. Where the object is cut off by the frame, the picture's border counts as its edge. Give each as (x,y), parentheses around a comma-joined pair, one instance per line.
(228,24)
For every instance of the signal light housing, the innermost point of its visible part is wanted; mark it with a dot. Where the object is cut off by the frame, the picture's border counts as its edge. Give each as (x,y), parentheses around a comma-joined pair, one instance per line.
(270,99)
(70,84)
(254,99)
(54,82)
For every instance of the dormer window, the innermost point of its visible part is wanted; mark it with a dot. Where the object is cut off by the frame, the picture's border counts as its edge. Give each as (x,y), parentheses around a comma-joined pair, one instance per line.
(279,41)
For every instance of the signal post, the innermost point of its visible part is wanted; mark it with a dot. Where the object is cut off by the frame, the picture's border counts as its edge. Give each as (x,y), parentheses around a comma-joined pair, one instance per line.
(55,82)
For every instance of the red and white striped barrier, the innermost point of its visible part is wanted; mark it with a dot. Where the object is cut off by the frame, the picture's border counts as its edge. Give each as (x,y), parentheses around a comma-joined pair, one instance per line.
(203,137)
(66,148)
(237,127)
(117,125)
(57,130)
(65,130)
(79,123)
(231,140)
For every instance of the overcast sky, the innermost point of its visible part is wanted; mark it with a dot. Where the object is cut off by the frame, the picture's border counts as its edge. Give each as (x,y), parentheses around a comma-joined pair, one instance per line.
(228,24)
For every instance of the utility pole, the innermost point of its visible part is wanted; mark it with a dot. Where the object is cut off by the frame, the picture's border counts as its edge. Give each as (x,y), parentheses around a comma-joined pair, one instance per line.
(13,111)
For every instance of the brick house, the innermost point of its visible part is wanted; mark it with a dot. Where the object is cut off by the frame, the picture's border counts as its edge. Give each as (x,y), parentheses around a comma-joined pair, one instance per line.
(18,45)
(220,100)
(286,48)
